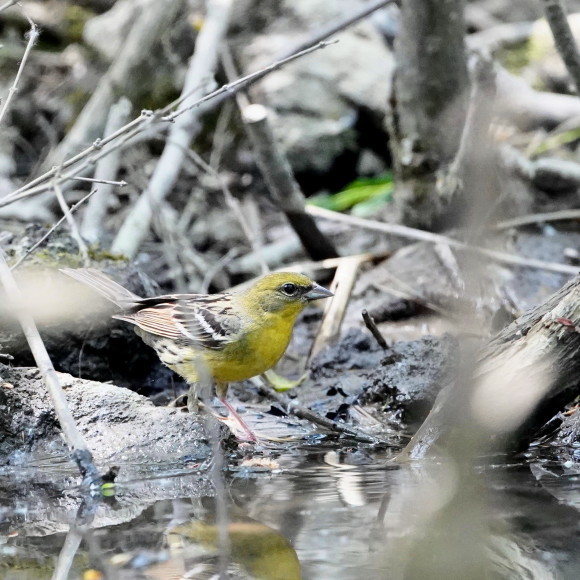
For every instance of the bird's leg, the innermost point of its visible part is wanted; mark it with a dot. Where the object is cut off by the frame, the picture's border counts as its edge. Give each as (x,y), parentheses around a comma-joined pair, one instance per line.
(221,390)
(249,433)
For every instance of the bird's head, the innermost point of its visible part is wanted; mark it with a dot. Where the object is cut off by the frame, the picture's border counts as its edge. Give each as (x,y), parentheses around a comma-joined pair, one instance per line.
(286,292)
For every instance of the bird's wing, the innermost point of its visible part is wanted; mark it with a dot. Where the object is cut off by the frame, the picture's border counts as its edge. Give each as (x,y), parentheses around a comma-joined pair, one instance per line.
(206,321)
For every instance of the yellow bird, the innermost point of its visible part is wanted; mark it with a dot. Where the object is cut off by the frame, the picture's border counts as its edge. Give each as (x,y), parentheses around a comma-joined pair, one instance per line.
(231,336)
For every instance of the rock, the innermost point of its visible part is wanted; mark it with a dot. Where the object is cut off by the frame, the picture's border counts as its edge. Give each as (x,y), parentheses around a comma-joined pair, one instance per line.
(118,425)
(341,80)
(401,383)
(411,375)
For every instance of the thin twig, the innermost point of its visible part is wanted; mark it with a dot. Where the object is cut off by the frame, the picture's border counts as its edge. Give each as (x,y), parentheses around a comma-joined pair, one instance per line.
(564,39)
(338,26)
(32,38)
(72,224)
(72,209)
(80,451)
(103,147)
(526,220)
(103,181)
(372,326)
(421,235)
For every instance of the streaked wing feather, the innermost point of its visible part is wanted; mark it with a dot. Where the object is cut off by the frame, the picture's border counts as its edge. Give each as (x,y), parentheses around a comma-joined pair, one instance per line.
(157,320)
(207,321)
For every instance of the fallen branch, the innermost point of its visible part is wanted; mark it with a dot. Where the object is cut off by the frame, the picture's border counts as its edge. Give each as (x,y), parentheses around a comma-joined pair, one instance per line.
(283,187)
(80,452)
(294,408)
(424,236)
(526,220)
(373,329)
(528,108)
(546,173)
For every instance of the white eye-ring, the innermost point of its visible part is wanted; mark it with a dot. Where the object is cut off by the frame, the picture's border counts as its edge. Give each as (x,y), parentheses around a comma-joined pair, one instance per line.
(290,289)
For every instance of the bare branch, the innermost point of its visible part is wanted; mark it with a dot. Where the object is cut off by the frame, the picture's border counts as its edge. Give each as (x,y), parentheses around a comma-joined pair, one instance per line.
(74,230)
(102,147)
(284,190)
(32,38)
(372,326)
(335,309)
(563,39)
(52,229)
(202,65)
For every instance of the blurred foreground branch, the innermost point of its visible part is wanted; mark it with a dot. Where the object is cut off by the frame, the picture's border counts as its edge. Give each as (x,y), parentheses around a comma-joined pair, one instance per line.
(80,452)
(524,376)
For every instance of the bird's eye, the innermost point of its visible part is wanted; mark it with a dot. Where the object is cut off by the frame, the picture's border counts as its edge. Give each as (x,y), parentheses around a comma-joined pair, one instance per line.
(289,289)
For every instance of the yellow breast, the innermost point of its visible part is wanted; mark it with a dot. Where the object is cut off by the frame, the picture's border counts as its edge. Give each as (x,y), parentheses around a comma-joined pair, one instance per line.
(251,354)
(255,353)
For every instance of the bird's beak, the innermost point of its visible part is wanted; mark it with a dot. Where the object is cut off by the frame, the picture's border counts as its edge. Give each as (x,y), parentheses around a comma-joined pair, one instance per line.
(317,292)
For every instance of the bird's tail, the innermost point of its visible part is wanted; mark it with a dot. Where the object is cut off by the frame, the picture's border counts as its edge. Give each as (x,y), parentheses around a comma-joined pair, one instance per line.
(106,287)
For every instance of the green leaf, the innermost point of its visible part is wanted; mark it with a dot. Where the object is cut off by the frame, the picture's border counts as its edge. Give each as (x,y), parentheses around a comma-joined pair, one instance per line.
(360,191)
